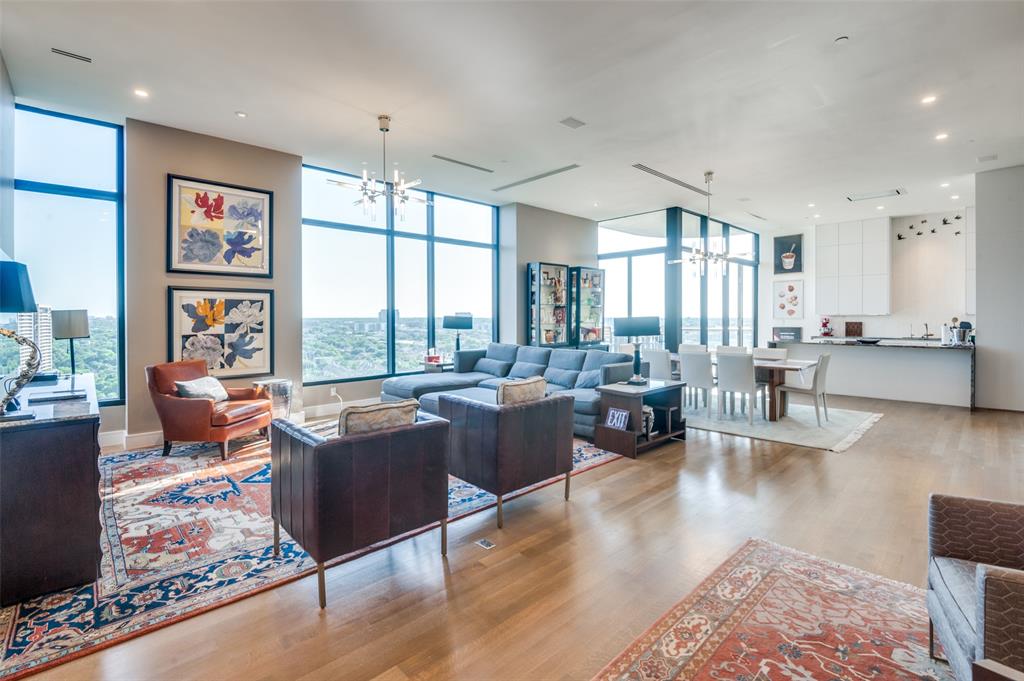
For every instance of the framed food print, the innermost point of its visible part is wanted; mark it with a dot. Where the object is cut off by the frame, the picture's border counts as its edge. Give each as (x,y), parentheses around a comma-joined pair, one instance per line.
(788,299)
(789,254)
(231,329)
(218,228)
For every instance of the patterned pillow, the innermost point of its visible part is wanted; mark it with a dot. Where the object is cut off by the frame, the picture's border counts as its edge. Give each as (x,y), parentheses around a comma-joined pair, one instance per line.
(525,390)
(371,417)
(206,387)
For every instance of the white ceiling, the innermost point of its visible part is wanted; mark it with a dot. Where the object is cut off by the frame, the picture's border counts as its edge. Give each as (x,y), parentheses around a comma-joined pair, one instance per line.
(757,91)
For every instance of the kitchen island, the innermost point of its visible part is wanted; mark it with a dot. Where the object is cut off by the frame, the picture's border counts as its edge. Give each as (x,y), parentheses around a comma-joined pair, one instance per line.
(906,369)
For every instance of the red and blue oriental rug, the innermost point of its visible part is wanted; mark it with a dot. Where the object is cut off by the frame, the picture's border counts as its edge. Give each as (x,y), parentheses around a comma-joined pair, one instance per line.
(181,535)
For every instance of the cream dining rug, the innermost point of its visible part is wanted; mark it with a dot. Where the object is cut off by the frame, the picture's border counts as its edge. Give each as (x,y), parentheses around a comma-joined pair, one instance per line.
(842,429)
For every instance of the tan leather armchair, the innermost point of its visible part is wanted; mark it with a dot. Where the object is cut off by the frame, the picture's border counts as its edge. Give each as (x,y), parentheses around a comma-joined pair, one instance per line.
(186,419)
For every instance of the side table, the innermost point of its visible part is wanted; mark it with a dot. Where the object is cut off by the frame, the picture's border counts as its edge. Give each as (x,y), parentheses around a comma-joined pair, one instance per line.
(665,397)
(280,393)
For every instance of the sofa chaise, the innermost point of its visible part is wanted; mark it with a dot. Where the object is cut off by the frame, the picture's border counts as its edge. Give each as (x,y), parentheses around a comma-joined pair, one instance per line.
(478,373)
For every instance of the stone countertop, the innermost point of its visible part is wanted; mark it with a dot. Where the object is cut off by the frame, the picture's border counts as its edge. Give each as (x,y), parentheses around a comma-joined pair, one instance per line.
(883,343)
(62,410)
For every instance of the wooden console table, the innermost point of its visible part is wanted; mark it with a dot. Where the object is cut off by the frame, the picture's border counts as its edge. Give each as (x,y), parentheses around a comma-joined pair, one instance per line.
(49,494)
(665,397)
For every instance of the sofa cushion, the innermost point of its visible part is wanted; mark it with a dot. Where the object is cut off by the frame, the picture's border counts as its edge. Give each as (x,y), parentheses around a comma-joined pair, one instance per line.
(533,355)
(505,352)
(953,581)
(525,390)
(207,388)
(429,402)
(232,411)
(526,370)
(588,379)
(368,418)
(494,367)
(596,359)
(564,366)
(416,385)
(493,383)
(586,401)
(554,388)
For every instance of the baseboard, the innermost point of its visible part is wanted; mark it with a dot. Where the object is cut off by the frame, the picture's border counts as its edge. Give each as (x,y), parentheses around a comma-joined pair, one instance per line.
(112,438)
(334,408)
(139,440)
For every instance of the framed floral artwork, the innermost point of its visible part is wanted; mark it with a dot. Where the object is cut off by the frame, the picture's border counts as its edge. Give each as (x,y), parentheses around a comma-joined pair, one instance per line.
(217,228)
(232,329)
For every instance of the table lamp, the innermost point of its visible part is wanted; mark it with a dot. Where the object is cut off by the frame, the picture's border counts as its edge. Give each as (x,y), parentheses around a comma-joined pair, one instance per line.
(632,328)
(459,322)
(69,325)
(16,296)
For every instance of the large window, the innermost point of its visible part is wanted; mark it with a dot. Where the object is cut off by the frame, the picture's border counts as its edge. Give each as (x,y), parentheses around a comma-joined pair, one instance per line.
(376,287)
(68,226)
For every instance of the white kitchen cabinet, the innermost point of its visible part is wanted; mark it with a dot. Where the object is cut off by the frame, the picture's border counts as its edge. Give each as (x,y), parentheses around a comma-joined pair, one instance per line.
(876,229)
(826,300)
(971,269)
(875,294)
(851,260)
(850,295)
(876,258)
(850,233)
(826,235)
(827,261)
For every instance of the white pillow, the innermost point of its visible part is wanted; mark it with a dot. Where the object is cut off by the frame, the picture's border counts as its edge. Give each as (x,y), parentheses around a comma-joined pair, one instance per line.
(206,387)
(525,390)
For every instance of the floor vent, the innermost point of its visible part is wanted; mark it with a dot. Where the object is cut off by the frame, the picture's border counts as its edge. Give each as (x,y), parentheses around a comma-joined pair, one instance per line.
(556,171)
(669,178)
(462,163)
(71,55)
(872,196)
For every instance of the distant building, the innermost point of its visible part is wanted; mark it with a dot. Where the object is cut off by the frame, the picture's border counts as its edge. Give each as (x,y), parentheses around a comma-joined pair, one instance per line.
(39,328)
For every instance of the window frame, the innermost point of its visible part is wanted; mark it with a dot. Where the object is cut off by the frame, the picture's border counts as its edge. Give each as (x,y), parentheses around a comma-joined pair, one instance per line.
(431,239)
(117,198)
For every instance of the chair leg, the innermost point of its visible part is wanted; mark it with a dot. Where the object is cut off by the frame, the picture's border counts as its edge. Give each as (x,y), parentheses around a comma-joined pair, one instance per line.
(167,448)
(931,639)
(824,404)
(321,587)
(817,410)
(749,397)
(707,401)
(277,538)
(568,476)
(444,536)
(501,516)
(224,450)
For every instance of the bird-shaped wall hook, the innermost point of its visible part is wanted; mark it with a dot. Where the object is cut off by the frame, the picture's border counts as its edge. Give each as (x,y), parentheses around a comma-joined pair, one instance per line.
(956,233)
(934,231)
(945,221)
(900,237)
(924,222)
(920,233)
(958,218)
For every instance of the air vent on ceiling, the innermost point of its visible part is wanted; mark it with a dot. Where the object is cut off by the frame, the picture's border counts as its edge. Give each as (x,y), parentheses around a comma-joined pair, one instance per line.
(462,163)
(871,196)
(988,158)
(743,199)
(571,122)
(71,55)
(759,217)
(556,171)
(669,178)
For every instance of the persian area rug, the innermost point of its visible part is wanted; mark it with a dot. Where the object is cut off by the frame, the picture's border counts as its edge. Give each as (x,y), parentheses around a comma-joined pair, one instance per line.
(181,535)
(771,612)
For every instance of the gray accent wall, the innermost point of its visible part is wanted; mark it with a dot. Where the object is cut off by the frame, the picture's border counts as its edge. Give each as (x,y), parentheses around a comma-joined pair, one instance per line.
(999,202)
(530,234)
(151,152)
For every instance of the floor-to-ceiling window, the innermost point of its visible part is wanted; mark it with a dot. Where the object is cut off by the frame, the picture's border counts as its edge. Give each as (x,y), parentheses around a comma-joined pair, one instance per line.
(376,285)
(632,253)
(68,231)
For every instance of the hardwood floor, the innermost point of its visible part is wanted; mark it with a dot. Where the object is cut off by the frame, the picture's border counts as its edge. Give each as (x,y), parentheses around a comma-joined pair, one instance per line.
(569,585)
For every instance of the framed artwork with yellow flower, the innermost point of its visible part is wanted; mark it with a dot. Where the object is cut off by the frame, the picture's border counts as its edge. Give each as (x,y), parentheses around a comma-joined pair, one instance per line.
(231,329)
(218,228)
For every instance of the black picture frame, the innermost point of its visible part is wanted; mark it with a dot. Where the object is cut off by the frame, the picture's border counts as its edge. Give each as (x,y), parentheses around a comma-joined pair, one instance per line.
(172,338)
(171,227)
(783,246)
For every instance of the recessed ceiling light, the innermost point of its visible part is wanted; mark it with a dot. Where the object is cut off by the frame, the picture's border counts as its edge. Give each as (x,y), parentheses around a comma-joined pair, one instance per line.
(955,197)
(595,204)
(139,92)
(810,205)
(941,136)
(944,185)
(930,99)
(879,207)
(241,114)
(817,215)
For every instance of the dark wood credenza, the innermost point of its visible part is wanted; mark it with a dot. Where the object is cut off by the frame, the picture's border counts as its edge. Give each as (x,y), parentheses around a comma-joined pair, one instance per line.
(49,495)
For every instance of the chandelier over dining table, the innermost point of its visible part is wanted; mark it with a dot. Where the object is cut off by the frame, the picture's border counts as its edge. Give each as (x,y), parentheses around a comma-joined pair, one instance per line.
(371,189)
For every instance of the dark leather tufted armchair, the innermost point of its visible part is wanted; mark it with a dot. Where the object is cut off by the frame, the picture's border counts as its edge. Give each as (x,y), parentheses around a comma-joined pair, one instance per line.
(976,585)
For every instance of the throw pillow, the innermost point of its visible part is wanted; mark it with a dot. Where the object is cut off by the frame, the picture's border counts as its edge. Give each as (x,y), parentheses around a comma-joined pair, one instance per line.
(372,417)
(589,379)
(519,391)
(207,387)
(494,367)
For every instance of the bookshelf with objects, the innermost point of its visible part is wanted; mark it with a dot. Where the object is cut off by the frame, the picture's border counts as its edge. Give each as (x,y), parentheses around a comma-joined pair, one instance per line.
(548,322)
(587,306)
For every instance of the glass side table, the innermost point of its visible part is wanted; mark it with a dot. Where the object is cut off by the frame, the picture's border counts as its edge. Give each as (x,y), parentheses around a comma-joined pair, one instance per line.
(280,392)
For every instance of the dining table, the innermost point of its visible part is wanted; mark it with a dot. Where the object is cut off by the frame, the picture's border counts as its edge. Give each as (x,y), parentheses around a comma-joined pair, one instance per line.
(776,370)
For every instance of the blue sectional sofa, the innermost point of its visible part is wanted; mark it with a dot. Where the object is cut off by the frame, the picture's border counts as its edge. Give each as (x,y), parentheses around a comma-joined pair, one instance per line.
(478,373)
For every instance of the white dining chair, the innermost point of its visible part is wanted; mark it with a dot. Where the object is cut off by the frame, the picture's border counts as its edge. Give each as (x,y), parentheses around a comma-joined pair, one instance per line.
(660,362)
(762,376)
(816,390)
(692,347)
(695,370)
(690,393)
(736,377)
(731,350)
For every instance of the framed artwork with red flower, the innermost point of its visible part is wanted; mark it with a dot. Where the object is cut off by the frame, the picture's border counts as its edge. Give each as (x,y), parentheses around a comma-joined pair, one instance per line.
(217,228)
(231,329)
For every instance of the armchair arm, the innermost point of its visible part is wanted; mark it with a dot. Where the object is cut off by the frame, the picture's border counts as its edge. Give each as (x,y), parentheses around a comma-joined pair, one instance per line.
(987,670)
(247,393)
(1000,624)
(183,418)
(465,360)
(978,530)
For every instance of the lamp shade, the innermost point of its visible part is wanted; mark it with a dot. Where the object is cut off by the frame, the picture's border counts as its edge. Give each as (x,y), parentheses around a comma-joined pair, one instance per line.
(69,324)
(458,321)
(637,326)
(15,288)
